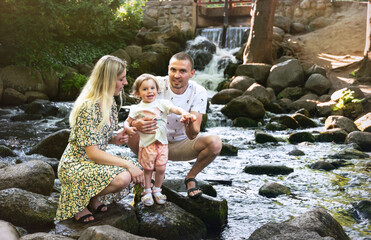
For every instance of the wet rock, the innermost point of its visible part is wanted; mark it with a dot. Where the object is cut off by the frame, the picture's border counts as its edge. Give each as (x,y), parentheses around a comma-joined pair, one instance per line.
(322,165)
(118,215)
(179,186)
(325,109)
(364,123)
(349,154)
(108,232)
(296,152)
(259,92)
(285,120)
(274,108)
(340,122)
(275,126)
(363,209)
(362,139)
(268,169)
(228,150)
(42,107)
(336,135)
(304,121)
(309,105)
(34,95)
(44,236)
(34,176)
(225,96)
(257,71)
(299,137)
(244,106)
(285,103)
(263,137)
(241,83)
(52,145)
(6,152)
(318,83)
(303,111)
(272,190)
(12,97)
(27,209)
(8,231)
(292,93)
(244,122)
(25,117)
(169,221)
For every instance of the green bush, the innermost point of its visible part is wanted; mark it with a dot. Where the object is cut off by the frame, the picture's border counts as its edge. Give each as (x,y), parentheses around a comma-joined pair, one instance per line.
(76,82)
(347,97)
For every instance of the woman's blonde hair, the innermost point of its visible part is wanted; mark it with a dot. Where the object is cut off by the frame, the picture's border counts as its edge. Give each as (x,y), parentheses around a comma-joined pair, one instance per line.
(138,82)
(100,88)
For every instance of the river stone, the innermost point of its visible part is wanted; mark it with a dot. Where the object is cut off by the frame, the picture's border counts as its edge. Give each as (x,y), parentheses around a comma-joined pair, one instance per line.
(309,105)
(12,97)
(179,186)
(52,145)
(285,120)
(299,137)
(274,108)
(244,122)
(292,93)
(259,92)
(320,221)
(296,152)
(263,137)
(6,152)
(27,209)
(44,236)
(363,208)
(228,150)
(349,154)
(362,139)
(34,176)
(286,74)
(285,103)
(304,121)
(244,106)
(43,107)
(34,95)
(8,231)
(336,135)
(309,96)
(168,221)
(325,109)
(123,55)
(318,83)
(225,96)
(134,51)
(364,123)
(268,169)
(322,165)
(107,232)
(25,117)
(241,82)
(340,122)
(272,190)
(257,71)
(118,215)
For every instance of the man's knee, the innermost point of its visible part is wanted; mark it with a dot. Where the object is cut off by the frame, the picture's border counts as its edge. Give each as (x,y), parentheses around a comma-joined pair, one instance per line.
(214,144)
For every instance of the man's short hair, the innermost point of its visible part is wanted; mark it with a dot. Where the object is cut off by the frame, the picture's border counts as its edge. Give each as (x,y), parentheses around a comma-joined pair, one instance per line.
(184,56)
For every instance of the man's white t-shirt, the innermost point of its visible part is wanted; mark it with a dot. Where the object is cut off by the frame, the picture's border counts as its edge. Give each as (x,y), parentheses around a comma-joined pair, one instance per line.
(193,99)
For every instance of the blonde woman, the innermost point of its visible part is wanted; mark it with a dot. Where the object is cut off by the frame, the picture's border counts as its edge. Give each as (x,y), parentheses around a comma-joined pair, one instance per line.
(87,173)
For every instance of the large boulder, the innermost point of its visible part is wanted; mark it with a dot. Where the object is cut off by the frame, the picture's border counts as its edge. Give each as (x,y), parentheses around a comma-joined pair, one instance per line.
(286,74)
(244,106)
(134,51)
(44,236)
(257,71)
(52,145)
(364,123)
(259,92)
(340,122)
(225,96)
(241,82)
(318,84)
(13,97)
(293,93)
(108,232)
(27,209)
(43,107)
(361,139)
(34,176)
(273,189)
(123,55)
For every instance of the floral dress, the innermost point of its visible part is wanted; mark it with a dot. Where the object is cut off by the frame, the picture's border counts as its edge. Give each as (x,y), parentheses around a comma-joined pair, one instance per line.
(82,178)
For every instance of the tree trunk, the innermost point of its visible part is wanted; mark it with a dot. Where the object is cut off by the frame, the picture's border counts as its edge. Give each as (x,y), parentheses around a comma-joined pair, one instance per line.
(259,45)
(365,69)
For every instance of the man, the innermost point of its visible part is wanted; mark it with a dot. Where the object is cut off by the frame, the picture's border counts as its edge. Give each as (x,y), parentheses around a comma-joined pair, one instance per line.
(185,142)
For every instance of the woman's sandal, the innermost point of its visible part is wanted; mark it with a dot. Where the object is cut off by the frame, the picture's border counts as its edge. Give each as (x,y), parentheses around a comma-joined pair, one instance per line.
(159,197)
(83,218)
(186,181)
(147,198)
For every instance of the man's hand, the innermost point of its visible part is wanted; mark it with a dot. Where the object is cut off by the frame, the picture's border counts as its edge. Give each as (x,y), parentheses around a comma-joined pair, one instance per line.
(145,125)
(120,138)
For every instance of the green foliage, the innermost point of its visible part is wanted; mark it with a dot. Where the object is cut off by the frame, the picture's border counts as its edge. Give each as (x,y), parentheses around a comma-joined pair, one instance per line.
(76,82)
(353,74)
(131,12)
(347,97)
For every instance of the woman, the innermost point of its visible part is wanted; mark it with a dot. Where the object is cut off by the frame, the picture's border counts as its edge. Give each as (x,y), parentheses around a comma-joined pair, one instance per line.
(86,172)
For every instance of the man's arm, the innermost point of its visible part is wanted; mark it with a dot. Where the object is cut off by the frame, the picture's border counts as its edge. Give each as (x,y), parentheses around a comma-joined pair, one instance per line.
(192,129)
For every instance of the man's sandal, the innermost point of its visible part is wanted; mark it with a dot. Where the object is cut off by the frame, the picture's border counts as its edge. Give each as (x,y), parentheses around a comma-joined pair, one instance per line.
(147,198)
(186,181)
(158,196)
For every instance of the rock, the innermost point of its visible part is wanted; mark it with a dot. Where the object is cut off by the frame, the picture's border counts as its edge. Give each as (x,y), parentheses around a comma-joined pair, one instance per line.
(263,137)
(349,154)
(304,121)
(52,145)
(340,122)
(43,107)
(285,120)
(118,215)
(44,236)
(285,103)
(8,231)
(228,150)
(13,97)
(123,55)
(244,122)
(275,126)
(357,93)
(297,28)
(272,190)
(363,208)
(309,96)
(299,137)
(257,71)
(296,152)
(286,74)
(241,82)
(282,22)
(85,68)
(362,139)
(309,105)
(336,135)
(25,117)
(34,176)
(108,232)
(274,108)
(6,152)
(326,109)
(315,69)
(268,169)
(322,165)
(134,52)
(27,209)
(318,83)
(225,96)
(179,186)
(292,93)
(33,95)
(364,123)
(259,92)
(169,221)
(319,22)
(244,106)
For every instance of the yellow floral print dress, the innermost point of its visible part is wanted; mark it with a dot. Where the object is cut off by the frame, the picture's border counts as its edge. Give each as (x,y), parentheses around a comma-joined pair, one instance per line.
(82,178)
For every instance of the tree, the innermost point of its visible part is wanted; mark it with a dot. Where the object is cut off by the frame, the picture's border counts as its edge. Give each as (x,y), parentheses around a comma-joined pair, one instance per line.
(365,69)
(259,45)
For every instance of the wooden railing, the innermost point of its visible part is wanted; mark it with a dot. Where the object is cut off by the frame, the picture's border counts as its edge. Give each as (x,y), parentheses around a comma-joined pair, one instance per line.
(232,3)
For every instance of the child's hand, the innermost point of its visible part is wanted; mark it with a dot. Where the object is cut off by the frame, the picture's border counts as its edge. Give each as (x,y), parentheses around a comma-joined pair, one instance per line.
(131,131)
(120,138)
(188,118)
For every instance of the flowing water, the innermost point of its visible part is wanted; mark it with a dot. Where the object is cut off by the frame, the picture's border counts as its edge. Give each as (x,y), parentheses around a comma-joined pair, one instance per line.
(247,210)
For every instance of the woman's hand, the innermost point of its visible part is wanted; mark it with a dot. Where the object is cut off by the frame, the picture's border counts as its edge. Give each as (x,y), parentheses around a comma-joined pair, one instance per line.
(120,138)
(137,175)
(145,125)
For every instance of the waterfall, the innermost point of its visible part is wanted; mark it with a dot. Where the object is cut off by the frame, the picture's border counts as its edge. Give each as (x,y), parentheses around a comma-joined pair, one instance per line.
(235,36)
